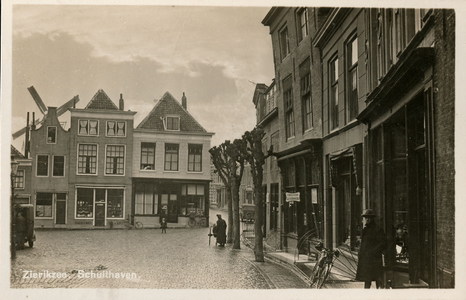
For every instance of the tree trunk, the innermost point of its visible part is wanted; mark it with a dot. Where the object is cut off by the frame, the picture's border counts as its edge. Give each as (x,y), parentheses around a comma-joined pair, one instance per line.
(230,216)
(236,222)
(259,221)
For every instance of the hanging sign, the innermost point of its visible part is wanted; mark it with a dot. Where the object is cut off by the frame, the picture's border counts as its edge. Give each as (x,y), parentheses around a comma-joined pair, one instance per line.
(292,197)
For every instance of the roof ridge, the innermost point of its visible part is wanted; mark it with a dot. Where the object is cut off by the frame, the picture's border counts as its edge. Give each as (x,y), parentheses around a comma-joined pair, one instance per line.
(95,99)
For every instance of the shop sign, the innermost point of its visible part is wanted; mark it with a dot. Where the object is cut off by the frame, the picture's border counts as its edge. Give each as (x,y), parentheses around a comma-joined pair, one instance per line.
(292,197)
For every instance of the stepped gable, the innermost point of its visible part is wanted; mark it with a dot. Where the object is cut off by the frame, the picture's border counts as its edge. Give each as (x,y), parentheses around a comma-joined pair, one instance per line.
(168,105)
(101,101)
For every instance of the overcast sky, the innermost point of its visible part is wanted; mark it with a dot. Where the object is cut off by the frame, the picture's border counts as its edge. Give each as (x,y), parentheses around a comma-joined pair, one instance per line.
(210,53)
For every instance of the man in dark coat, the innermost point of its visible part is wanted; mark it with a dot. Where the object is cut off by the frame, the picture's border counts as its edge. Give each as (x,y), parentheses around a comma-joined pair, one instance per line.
(21,230)
(221,229)
(370,267)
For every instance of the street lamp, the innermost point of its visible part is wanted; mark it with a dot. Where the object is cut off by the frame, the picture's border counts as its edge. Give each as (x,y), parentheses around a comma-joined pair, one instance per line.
(14,170)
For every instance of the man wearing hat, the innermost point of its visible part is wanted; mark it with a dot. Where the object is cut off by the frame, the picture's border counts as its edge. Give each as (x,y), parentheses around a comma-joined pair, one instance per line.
(370,267)
(221,231)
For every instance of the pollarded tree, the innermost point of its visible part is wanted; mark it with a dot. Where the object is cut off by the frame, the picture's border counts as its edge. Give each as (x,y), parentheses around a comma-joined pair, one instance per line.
(229,163)
(253,154)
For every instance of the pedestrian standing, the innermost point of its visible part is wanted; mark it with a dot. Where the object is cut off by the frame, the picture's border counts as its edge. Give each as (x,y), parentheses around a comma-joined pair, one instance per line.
(221,229)
(163,225)
(373,244)
(21,229)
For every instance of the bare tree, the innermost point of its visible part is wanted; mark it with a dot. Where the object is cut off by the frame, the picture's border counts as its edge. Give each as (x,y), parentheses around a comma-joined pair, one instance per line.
(229,164)
(253,154)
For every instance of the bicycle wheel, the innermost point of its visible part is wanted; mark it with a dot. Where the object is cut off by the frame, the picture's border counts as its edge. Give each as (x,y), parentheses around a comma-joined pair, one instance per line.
(203,222)
(192,222)
(314,275)
(322,276)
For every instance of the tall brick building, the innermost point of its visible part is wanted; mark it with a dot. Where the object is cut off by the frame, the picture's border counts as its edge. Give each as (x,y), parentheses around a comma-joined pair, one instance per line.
(383,99)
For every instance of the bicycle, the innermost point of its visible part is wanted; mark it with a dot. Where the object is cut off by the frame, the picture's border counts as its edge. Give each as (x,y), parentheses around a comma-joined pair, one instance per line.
(199,220)
(323,266)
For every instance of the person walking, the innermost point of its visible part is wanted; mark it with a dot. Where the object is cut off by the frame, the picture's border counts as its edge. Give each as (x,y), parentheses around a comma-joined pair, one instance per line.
(373,244)
(163,225)
(221,231)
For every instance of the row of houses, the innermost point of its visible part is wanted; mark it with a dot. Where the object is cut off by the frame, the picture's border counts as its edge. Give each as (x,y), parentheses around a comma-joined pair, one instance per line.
(361,115)
(103,172)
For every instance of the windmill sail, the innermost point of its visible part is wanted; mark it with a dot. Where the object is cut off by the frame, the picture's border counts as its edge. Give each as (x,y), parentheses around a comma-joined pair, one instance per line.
(37,99)
(62,109)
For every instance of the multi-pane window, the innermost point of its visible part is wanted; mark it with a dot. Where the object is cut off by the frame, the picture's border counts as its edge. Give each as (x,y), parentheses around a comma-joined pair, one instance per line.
(352,77)
(18,181)
(284,43)
(172,123)
(115,203)
(44,205)
(42,165)
(274,141)
(305,81)
(288,101)
(192,199)
(303,29)
(88,127)
(147,156)
(194,158)
(115,160)
(146,199)
(115,128)
(171,157)
(84,203)
(87,159)
(58,166)
(333,97)
(51,135)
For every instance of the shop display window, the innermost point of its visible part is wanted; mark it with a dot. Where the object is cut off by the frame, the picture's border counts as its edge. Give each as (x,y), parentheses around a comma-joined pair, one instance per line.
(192,199)
(115,203)
(84,203)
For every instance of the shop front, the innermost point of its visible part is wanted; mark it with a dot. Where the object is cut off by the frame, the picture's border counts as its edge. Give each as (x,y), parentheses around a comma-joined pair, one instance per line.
(176,202)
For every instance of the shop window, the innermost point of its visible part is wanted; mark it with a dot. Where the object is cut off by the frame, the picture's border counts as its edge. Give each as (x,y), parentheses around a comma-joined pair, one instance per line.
(194,158)
(87,159)
(88,127)
(84,203)
(51,134)
(115,128)
(44,205)
(18,181)
(192,199)
(58,166)
(333,96)
(146,200)
(171,157)
(147,156)
(115,203)
(115,160)
(352,78)
(42,165)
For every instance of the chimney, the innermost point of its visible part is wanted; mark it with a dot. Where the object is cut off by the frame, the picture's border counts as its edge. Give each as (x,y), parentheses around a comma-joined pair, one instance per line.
(122,102)
(184,102)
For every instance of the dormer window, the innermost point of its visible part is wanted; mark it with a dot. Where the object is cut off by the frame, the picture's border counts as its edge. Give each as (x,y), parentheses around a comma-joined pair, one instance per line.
(171,123)
(51,134)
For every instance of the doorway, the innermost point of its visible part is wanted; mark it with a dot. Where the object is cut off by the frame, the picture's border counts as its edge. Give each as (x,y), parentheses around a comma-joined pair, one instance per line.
(61,212)
(169,209)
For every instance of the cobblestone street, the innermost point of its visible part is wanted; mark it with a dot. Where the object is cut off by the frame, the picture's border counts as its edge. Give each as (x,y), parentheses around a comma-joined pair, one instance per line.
(180,259)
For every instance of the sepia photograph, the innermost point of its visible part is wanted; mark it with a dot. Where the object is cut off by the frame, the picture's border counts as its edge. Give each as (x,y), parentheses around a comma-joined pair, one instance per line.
(261,149)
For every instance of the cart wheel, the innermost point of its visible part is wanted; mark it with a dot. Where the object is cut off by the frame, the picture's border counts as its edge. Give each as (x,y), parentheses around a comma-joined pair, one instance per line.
(31,244)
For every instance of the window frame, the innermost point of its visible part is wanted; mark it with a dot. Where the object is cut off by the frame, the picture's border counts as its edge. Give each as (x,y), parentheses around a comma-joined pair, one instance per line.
(46,165)
(306,95)
(303,11)
(116,128)
(166,119)
(96,159)
(290,129)
(284,42)
(171,161)
(115,167)
(141,168)
(42,205)
(48,135)
(19,181)
(53,165)
(350,68)
(333,91)
(88,127)
(199,155)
